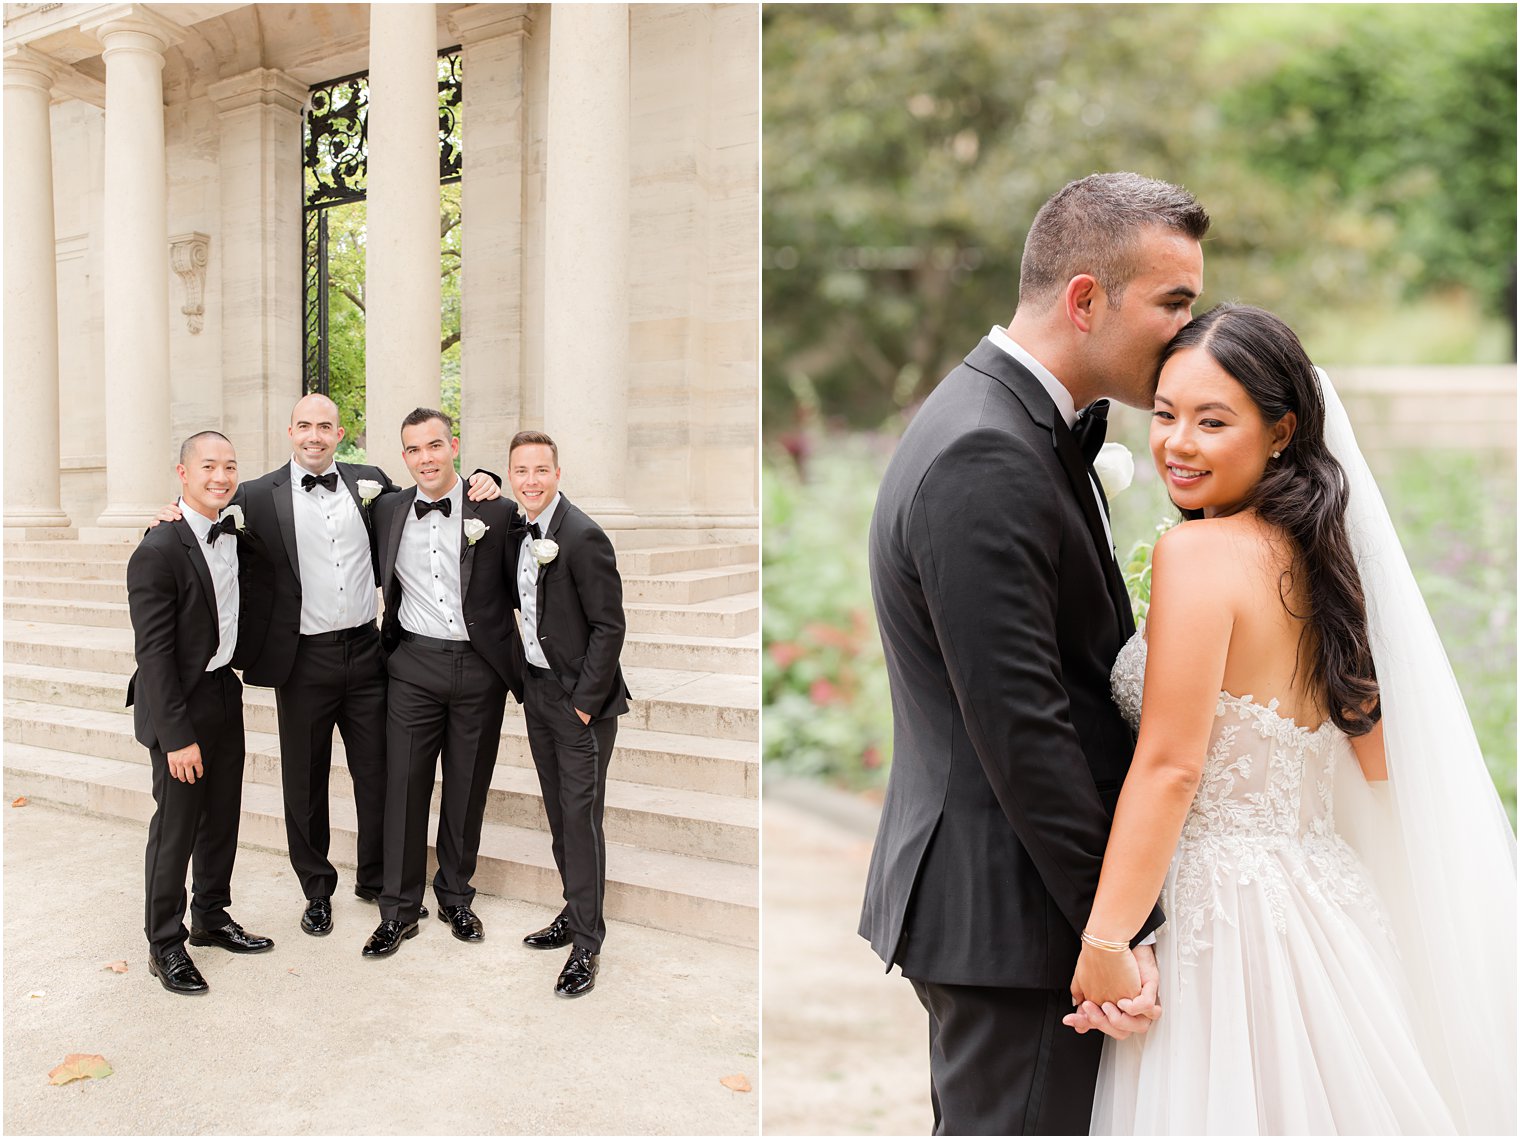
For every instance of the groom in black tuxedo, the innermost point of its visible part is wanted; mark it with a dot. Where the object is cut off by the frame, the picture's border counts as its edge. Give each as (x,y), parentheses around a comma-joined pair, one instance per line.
(571,601)
(451,653)
(1001,609)
(187,709)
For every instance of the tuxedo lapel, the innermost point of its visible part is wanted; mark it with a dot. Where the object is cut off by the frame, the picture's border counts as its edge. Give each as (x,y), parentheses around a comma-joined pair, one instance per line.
(202,569)
(285,512)
(350,476)
(466,549)
(560,513)
(404,502)
(1077,472)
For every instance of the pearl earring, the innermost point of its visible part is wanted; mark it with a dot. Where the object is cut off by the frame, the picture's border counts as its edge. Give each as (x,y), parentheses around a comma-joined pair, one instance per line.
(1277,454)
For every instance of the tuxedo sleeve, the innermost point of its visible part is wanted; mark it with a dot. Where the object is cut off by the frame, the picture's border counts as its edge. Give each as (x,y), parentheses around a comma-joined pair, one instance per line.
(594,566)
(986,531)
(152,600)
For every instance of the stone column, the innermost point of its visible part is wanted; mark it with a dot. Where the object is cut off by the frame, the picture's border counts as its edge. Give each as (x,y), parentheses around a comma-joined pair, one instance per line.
(139,452)
(586,253)
(31,302)
(260,255)
(494,42)
(402,290)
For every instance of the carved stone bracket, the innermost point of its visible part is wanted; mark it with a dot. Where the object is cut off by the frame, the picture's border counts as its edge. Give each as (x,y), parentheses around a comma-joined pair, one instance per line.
(188,254)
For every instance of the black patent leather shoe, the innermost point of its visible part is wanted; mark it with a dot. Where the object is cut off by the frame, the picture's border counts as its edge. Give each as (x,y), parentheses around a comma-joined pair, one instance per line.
(464,923)
(177,973)
(317,920)
(364,893)
(578,977)
(555,935)
(231,937)
(388,938)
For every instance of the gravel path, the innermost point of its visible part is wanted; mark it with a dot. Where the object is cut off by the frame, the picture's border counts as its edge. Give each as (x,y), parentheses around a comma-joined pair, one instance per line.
(846,1046)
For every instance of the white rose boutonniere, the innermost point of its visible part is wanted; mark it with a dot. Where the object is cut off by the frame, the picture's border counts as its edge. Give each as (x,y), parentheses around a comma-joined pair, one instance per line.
(235,513)
(474,530)
(545,550)
(369,490)
(1115,468)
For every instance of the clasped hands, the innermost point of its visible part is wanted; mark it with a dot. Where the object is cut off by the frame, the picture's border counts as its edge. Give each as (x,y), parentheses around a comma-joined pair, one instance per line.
(1114,992)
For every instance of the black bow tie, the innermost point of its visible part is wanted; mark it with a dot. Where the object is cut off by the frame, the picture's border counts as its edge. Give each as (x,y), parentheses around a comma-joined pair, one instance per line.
(227,525)
(1090,428)
(444,506)
(534,530)
(328,482)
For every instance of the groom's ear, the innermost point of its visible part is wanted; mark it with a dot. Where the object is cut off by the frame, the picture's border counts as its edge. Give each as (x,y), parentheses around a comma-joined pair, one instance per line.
(1081,297)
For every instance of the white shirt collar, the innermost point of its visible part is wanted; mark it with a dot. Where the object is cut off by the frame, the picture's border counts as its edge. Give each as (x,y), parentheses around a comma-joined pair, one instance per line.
(547,515)
(297,470)
(455,495)
(198,521)
(1063,401)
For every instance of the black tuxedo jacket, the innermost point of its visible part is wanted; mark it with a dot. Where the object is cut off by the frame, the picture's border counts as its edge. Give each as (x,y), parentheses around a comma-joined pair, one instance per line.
(1001,612)
(270,621)
(486,570)
(580,612)
(175,631)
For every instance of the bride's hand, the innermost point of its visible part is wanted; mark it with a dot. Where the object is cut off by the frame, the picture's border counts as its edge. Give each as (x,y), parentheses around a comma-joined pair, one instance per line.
(1127,1016)
(1105,977)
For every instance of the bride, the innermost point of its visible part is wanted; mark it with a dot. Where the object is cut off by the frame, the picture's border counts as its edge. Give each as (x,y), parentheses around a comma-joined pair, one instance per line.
(1307,793)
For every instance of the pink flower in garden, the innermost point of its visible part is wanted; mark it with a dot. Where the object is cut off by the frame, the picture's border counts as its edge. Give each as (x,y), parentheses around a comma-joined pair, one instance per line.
(823,692)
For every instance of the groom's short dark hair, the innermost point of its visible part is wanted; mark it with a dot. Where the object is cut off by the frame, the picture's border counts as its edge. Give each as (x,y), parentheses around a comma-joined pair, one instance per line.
(1091,226)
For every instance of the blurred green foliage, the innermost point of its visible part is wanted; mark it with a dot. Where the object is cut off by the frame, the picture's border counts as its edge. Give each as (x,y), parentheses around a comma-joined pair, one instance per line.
(1356,160)
(827,706)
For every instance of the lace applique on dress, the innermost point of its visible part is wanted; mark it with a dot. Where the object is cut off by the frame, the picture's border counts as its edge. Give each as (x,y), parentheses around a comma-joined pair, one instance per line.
(1263,818)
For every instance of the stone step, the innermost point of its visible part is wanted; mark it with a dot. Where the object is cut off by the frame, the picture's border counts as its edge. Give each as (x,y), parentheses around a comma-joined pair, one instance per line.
(689,586)
(656,560)
(682,701)
(65,589)
(703,897)
(68,568)
(661,759)
(73,551)
(738,655)
(673,820)
(97,614)
(734,616)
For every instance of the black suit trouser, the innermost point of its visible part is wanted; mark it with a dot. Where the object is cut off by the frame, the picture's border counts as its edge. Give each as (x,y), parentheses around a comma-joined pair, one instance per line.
(572,759)
(195,825)
(342,684)
(449,700)
(1002,1063)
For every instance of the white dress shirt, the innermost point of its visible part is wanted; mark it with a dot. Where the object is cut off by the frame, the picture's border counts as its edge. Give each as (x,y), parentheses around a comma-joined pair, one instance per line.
(332,549)
(527,588)
(428,565)
(1064,404)
(222,561)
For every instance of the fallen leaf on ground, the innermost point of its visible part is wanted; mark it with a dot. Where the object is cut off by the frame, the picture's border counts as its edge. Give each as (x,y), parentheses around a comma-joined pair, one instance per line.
(35,993)
(735,1083)
(80,1066)
(114,966)
(19,801)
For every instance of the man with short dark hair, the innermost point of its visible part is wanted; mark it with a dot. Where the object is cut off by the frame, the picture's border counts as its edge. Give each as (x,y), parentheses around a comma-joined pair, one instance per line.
(187,708)
(571,601)
(452,657)
(1002,609)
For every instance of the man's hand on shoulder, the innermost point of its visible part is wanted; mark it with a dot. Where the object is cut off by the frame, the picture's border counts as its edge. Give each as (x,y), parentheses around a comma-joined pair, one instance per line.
(483,487)
(185,764)
(170,513)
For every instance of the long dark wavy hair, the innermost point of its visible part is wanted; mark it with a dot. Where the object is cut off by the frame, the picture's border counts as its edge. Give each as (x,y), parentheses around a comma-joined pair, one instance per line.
(1303,494)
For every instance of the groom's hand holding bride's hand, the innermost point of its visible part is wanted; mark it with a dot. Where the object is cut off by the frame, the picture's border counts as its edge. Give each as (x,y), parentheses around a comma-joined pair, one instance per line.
(1094,992)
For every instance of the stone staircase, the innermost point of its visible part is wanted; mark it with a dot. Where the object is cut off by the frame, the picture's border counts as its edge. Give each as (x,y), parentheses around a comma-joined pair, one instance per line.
(682,815)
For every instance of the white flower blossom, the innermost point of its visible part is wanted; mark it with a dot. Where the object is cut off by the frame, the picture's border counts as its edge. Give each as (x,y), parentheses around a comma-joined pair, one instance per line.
(545,550)
(235,513)
(1115,468)
(369,490)
(474,529)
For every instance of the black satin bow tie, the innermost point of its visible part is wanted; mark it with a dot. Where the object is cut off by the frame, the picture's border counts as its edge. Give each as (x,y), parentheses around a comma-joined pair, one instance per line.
(225,526)
(328,482)
(444,506)
(1090,428)
(534,530)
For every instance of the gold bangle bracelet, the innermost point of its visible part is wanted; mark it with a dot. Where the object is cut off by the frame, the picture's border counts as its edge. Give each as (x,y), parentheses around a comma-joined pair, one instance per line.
(1107,946)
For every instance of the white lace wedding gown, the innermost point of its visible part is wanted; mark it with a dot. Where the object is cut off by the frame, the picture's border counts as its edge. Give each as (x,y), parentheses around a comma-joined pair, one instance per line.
(1282,993)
